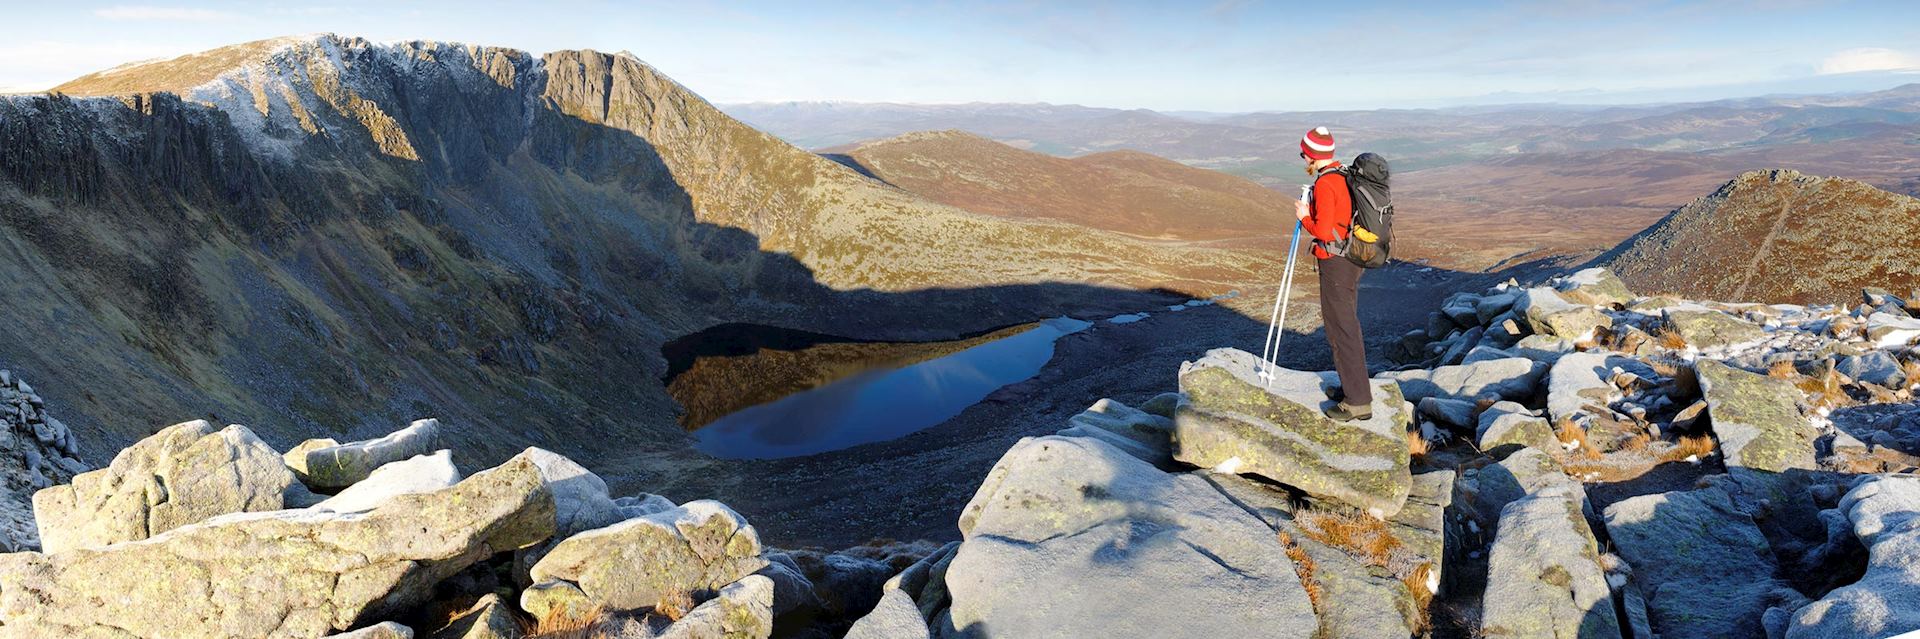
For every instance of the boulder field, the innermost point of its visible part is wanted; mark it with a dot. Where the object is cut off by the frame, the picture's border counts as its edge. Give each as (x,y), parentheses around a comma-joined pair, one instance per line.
(1564,460)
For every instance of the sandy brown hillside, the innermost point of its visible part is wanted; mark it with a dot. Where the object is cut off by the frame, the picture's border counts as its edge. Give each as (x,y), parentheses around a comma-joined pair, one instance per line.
(323,235)
(1779,236)
(1124,191)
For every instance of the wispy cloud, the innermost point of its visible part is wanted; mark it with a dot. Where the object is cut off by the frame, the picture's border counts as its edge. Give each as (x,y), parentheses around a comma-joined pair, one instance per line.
(143,13)
(1869,59)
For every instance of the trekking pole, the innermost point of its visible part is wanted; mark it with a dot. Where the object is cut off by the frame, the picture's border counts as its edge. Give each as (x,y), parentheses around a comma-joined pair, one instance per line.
(1276,323)
(1271,349)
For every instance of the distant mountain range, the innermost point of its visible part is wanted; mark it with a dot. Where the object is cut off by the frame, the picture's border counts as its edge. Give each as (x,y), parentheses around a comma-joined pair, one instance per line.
(1421,138)
(1553,179)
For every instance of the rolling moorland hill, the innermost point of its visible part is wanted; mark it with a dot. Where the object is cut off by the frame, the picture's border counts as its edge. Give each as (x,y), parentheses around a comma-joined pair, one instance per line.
(322,235)
(1779,236)
(1124,191)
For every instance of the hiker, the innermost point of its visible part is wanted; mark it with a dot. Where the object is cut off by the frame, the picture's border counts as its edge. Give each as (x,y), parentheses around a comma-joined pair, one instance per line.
(1327,214)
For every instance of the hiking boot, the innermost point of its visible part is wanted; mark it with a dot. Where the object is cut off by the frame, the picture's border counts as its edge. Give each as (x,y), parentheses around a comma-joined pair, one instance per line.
(1344,412)
(1336,393)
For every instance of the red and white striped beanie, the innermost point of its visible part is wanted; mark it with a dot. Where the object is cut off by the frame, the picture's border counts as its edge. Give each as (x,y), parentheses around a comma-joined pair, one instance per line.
(1317,144)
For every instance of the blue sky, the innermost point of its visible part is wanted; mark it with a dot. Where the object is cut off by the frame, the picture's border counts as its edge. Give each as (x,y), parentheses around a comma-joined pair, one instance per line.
(1230,55)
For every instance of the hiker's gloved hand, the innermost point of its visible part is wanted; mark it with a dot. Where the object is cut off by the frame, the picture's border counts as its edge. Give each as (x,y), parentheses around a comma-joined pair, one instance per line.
(1300,211)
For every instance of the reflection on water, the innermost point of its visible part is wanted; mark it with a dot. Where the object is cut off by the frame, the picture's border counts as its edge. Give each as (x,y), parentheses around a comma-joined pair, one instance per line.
(880,405)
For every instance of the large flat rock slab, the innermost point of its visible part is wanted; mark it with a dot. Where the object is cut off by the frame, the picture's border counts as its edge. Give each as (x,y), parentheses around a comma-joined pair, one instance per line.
(1705,567)
(1511,378)
(290,573)
(1707,329)
(1233,423)
(1544,578)
(1071,537)
(1756,418)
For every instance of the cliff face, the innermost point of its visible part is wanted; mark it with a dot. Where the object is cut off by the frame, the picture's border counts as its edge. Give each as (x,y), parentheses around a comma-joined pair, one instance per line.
(1779,236)
(323,235)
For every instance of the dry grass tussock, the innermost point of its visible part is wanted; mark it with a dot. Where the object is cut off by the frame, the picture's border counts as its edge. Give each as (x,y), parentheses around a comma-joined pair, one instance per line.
(1669,339)
(1417,446)
(1416,583)
(1303,566)
(1826,390)
(1572,433)
(1697,446)
(1783,369)
(599,623)
(560,625)
(1369,541)
(1365,538)
(1636,441)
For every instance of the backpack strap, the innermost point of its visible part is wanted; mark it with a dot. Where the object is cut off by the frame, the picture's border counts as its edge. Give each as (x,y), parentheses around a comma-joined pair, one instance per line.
(1347,229)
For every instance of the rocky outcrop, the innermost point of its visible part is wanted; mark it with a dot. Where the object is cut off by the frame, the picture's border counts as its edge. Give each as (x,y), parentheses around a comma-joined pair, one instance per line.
(1528,471)
(423,474)
(646,562)
(1594,287)
(1756,418)
(288,573)
(1544,578)
(1704,565)
(340,465)
(1883,513)
(742,610)
(184,474)
(1887,330)
(1510,424)
(1580,382)
(36,451)
(1547,313)
(1232,423)
(1139,433)
(1706,329)
(489,618)
(911,601)
(1067,536)
(895,617)
(1511,378)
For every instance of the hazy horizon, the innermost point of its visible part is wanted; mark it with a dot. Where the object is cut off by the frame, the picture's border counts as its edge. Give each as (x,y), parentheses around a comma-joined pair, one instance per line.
(1233,56)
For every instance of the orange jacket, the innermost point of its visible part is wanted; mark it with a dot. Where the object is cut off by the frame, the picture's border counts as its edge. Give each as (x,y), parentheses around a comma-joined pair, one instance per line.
(1329,210)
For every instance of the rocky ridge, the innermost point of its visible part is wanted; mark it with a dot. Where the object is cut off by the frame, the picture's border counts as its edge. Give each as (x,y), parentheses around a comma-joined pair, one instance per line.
(1614,469)
(36,451)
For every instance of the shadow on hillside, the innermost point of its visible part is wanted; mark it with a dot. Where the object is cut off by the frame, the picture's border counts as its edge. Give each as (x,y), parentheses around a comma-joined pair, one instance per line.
(847,160)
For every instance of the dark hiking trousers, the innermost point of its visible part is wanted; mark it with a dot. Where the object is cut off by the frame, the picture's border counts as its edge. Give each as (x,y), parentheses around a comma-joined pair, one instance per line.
(1339,311)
